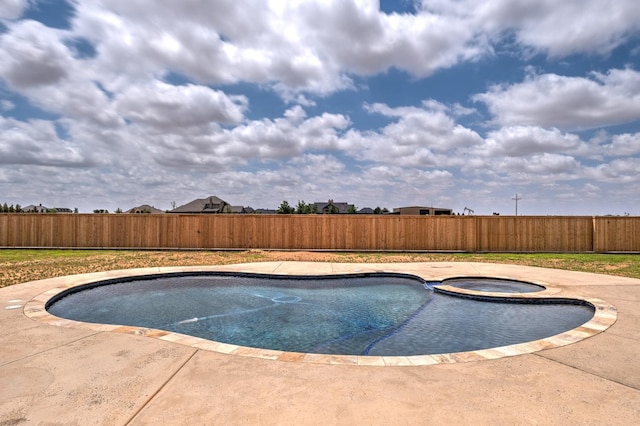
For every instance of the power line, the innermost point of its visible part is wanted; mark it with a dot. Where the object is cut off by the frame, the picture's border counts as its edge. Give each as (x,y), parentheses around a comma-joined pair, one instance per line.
(516,198)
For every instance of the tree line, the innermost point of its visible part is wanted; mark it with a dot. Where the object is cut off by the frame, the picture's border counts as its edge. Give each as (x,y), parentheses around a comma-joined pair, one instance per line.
(311,208)
(4,208)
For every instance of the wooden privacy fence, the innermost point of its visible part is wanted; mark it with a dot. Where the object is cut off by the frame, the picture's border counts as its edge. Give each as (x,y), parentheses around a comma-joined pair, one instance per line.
(323,232)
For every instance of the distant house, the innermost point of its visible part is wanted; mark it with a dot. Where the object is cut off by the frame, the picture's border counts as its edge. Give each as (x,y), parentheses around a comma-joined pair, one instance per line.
(366,210)
(209,205)
(145,208)
(422,211)
(239,210)
(35,209)
(332,207)
(42,209)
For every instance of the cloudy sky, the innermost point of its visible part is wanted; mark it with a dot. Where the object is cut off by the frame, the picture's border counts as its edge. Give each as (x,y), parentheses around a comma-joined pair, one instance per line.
(116,103)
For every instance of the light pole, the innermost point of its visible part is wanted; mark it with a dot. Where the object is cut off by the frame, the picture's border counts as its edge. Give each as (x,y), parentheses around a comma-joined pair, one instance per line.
(516,198)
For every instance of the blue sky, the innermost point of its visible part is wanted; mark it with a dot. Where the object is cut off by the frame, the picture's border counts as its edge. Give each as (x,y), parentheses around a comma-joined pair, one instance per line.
(113,104)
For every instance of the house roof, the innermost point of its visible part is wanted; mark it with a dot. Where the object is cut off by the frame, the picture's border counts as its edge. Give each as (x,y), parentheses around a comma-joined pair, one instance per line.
(210,204)
(32,207)
(144,208)
(422,207)
(43,209)
(342,207)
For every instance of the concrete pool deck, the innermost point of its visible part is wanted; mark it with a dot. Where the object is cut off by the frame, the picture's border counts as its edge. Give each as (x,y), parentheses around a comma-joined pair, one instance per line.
(61,373)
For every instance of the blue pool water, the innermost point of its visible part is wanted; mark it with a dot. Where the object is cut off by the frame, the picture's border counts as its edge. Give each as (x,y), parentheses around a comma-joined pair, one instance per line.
(493,284)
(377,314)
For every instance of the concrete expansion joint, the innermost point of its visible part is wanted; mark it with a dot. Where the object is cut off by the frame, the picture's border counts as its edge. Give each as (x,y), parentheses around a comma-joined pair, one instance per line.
(277,267)
(161,387)
(583,371)
(52,348)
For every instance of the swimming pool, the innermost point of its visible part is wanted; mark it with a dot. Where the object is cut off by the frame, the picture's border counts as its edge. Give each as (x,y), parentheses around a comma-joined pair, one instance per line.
(362,314)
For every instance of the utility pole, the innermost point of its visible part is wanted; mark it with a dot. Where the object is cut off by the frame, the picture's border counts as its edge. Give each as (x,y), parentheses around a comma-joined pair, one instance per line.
(516,198)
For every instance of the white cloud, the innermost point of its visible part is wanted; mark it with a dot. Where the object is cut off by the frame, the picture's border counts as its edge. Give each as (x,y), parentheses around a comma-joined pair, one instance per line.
(620,171)
(216,43)
(519,141)
(80,100)
(201,147)
(36,63)
(304,101)
(300,46)
(572,26)
(295,114)
(558,28)
(36,143)
(12,9)
(419,137)
(460,111)
(314,47)
(624,145)
(163,106)
(386,176)
(550,100)
(538,168)
(419,44)
(31,55)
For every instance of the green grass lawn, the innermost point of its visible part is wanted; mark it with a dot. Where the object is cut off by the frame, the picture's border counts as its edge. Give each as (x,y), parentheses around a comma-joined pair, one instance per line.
(22,265)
